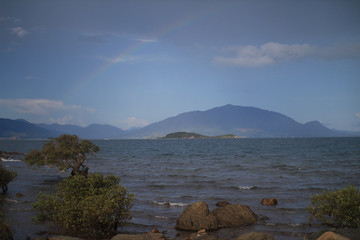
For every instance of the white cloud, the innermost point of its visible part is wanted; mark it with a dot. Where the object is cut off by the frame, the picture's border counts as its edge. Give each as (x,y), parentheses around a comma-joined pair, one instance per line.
(19,31)
(146,40)
(44,110)
(37,106)
(132,122)
(357,115)
(138,58)
(270,53)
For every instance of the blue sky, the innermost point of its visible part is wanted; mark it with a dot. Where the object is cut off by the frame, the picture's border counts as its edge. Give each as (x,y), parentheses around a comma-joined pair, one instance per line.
(132,63)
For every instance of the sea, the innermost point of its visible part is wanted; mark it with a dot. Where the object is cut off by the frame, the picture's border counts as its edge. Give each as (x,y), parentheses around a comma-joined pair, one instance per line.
(167,175)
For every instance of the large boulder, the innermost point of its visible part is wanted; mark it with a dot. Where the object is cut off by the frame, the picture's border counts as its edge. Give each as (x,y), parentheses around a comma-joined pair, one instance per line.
(196,217)
(269,201)
(332,236)
(150,236)
(234,215)
(256,236)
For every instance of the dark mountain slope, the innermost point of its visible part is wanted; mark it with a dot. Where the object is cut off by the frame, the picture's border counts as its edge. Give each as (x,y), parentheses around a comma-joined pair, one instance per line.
(23,129)
(230,119)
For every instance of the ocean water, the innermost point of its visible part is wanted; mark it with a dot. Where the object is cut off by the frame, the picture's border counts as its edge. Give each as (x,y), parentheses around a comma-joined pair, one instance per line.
(168,175)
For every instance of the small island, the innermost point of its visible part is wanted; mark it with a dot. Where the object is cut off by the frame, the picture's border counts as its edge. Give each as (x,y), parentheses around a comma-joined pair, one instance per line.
(191,135)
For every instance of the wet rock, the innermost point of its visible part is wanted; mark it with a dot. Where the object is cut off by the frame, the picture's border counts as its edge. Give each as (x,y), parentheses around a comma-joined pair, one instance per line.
(332,236)
(19,195)
(269,201)
(155,230)
(196,217)
(255,236)
(222,203)
(152,236)
(234,215)
(63,238)
(348,233)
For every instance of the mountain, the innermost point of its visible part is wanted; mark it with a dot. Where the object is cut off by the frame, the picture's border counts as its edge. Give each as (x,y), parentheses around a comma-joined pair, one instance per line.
(93,131)
(228,119)
(238,120)
(23,129)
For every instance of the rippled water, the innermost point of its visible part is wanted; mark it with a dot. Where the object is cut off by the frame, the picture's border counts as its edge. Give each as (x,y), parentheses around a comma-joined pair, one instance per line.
(167,175)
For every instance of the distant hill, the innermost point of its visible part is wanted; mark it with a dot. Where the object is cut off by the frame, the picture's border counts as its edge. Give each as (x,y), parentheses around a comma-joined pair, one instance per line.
(93,131)
(228,119)
(190,135)
(238,120)
(23,129)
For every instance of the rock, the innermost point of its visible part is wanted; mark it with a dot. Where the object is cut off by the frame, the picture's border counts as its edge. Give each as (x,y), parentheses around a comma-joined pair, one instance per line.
(269,201)
(19,195)
(63,238)
(196,217)
(152,236)
(234,215)
(222,203)
(256,236)
(332,236)
(155,230)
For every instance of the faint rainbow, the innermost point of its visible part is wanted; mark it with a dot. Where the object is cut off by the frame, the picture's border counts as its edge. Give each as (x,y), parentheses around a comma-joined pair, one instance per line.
(126,54)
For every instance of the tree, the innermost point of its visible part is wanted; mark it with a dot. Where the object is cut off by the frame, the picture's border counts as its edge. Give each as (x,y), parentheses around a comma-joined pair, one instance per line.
(90,207)
(6,176)
(64,152)
(340,208)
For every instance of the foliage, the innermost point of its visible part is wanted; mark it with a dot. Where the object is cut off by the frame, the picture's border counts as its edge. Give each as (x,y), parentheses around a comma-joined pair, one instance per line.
(6,176)
(64,152)
(92,206)
(5,233)
(339,208)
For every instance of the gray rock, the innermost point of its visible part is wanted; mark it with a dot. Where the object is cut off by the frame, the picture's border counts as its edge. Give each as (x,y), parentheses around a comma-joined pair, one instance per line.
(350,233)
(63,238)
(234,215)
(150,236)
(196,217)
(332,236)
(255,236)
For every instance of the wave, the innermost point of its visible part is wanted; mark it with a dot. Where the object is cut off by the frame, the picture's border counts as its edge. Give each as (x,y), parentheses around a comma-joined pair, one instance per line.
(12,200)
(10,160)
(162,217)
(247,187)
(171,204)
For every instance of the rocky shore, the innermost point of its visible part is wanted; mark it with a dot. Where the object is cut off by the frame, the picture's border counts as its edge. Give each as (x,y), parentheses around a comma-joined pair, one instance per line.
(197,222)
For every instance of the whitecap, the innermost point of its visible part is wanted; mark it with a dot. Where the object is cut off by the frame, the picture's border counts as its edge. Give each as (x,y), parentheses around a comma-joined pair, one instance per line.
(171,204)
(12,200)
(246,187)
(10,160)
(161,217)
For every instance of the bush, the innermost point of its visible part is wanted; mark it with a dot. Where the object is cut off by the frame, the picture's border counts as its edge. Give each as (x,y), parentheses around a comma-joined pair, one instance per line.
(92,206)
(339,208)
(5,233)
(64,152)
(6,176)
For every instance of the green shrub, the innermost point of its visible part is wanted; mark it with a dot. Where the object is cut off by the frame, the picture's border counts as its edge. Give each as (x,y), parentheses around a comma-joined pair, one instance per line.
(64,152)
(339,208)
(91,207)
(6,176)
(5,233)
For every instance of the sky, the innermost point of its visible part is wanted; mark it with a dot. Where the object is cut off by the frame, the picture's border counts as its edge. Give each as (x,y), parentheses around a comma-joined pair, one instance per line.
(133,63)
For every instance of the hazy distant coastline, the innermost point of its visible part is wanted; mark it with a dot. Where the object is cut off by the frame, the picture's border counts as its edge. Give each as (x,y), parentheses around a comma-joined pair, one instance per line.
(249,122)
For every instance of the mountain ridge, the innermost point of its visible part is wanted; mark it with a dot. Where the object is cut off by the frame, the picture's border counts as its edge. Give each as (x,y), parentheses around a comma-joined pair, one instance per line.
(242,121)
(239,120)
